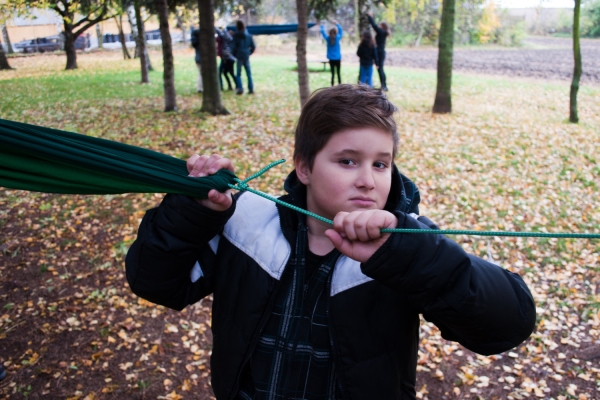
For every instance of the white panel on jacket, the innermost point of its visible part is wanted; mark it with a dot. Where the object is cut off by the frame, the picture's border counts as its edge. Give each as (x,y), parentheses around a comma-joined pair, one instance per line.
(346,275)
(196,272)
(255,229)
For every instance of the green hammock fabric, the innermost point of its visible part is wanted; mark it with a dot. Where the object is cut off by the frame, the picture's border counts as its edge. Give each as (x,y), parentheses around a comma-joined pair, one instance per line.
(41,159)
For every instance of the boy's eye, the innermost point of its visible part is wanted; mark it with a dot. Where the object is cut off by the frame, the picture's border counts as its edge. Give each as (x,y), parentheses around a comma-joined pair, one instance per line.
(380,165)
(346,161)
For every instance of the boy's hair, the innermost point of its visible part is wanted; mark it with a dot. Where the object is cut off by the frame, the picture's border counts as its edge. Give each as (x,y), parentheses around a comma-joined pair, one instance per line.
(337,108)
(385,26)
(240,26)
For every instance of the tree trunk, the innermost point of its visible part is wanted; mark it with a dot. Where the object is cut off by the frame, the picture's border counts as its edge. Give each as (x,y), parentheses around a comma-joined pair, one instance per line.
(211,95)
(3,60)
(573,117)
(9,48)
(181,25)
(70,47)
(141,41)
(356,19)
(303,82)
(131,17)
(363,22)
(119,22)
(100,36)
(168,67)
(443,95)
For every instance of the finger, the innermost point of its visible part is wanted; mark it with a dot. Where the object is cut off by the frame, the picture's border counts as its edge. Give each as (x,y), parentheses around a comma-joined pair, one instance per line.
(198,165)
(191,161)
(343,245)
(361,226)
(221,163)
(349,226)
(211,164)
(220,199)
(339,222)
(374,225)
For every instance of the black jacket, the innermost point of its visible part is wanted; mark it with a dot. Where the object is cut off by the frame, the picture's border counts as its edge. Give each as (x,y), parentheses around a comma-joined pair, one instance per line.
(242,46)
(185,252)
(380,34)
(367,55)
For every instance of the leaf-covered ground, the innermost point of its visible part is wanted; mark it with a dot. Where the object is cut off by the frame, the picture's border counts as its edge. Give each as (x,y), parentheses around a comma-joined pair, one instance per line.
(506,159)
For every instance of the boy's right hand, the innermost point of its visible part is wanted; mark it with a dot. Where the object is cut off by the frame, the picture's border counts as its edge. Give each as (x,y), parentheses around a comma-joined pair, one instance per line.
(201,166)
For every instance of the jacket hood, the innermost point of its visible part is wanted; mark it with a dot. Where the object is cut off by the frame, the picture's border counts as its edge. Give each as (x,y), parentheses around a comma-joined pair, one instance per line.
(404,195)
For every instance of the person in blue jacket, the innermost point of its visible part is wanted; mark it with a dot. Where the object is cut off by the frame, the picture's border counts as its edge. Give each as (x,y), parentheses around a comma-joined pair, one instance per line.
(382,31)
(334,53)
(242,46)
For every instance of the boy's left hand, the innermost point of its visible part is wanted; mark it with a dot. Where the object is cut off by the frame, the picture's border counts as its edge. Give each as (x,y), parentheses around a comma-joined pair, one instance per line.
(358,234)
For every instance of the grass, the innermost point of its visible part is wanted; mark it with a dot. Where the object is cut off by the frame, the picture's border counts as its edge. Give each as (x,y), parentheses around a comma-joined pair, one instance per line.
(505,159)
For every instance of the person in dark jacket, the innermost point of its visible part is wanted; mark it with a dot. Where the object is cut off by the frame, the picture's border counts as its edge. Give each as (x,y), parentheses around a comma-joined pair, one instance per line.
(303,309)
(227,59)
(242,46)
(198,58)
(382,31)
(367,53)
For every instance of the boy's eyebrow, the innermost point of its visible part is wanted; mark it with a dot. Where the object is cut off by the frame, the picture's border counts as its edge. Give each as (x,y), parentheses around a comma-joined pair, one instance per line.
(357,152)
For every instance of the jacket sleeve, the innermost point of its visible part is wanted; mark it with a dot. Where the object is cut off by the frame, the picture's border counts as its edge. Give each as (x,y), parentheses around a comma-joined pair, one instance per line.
(340,32)
(482,306)
(252,45)
(377,29)
(171,261)
(323,33)
(375,55)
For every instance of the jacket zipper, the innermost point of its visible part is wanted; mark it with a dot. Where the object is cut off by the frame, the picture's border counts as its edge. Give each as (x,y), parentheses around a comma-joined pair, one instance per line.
(331,334)
(261,326)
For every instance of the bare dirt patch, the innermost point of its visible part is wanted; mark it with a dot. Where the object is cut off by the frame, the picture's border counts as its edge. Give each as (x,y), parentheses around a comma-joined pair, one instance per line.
(543,58)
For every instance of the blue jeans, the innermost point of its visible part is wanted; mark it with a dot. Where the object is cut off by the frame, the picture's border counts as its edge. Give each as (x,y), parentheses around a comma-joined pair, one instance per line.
(366,75)
(238,76)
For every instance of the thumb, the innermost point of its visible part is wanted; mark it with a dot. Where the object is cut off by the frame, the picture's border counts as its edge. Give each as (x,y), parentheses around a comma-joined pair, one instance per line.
(343,245)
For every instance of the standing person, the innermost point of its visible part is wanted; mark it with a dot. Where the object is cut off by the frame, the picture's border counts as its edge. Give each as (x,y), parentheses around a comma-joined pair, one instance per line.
(196,46)
(307,310)
(242,46)
(334,53)
(382,31)
(367,53)
(227,60)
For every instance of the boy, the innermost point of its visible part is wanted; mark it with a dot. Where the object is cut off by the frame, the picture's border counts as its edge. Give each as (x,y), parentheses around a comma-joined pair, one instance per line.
(304,310)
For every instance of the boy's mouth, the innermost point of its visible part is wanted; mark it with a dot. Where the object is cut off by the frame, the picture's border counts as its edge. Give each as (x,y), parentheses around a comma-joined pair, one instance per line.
(362,201)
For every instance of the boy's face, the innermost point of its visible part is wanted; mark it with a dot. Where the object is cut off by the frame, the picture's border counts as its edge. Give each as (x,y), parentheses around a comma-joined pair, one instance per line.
(352,172)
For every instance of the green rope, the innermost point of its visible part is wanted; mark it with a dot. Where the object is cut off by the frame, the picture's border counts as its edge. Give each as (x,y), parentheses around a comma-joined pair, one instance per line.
(242,185)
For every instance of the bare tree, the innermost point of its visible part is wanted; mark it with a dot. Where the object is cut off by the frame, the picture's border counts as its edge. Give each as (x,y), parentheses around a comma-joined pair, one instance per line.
(573,117)
(3,60)
(303,81)
(119,22)
(9,48)
(141,41)
(443,95)
(78,16)
(211,95)
(167,48)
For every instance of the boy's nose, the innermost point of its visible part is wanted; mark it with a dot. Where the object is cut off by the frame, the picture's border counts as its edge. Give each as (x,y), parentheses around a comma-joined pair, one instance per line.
(365,179)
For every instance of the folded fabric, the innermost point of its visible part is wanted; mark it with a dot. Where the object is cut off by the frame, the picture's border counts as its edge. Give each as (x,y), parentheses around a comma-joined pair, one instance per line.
(48,160)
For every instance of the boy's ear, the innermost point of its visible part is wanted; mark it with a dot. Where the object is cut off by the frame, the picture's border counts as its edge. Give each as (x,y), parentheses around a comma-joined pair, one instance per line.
(302,171)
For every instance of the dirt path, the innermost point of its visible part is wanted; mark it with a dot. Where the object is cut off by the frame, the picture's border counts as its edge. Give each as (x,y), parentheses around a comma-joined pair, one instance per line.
(540,57)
